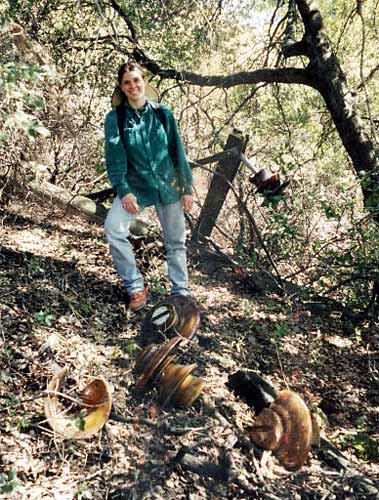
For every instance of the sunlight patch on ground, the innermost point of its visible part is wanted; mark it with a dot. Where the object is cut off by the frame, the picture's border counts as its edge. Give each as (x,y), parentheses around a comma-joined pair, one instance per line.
(34,241)
(340,342)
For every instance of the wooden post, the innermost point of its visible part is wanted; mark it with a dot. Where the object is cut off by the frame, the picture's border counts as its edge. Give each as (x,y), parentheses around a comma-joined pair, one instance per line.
(219,188)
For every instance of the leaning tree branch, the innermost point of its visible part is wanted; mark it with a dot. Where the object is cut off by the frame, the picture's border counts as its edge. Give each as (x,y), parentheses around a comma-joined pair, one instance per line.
(120,11)
(369,77)
(266,75)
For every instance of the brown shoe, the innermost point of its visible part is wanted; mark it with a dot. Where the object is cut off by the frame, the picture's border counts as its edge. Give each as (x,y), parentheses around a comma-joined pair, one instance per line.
(137,300)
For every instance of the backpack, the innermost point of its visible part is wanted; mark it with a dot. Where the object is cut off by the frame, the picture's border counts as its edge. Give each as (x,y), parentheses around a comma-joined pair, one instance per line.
(121,116)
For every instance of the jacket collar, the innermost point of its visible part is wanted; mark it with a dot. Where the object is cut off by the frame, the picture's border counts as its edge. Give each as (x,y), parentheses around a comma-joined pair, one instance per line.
(142,110)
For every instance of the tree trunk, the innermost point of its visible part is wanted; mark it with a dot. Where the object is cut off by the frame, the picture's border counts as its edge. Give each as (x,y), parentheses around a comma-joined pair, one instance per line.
(356,141)
(328,78)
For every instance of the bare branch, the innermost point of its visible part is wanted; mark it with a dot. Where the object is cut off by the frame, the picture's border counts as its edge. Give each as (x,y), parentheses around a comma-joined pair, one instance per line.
(266,75)
(125,17)
(368,77)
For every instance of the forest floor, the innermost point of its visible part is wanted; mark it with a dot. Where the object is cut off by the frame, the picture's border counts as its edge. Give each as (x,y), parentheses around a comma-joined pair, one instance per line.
(61,304)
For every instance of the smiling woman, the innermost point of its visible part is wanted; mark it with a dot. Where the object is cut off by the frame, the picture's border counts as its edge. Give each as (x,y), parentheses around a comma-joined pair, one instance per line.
(132,84)
(146,165)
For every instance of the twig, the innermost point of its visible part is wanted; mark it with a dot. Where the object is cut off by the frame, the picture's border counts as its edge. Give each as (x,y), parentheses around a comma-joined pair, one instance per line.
(125,17)
(74,400)
(176,431)
(281,365)
(94,181)
(8,293)
(361,62)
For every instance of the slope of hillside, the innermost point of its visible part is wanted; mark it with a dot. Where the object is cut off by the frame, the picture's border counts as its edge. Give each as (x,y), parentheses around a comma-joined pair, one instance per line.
(61,305)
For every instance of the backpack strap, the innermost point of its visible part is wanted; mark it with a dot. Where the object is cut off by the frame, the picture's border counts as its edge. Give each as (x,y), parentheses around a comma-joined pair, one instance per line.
(121,117)
(160,114)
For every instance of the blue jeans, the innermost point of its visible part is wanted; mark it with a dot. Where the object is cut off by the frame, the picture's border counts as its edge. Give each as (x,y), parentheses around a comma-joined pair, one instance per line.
(117,230)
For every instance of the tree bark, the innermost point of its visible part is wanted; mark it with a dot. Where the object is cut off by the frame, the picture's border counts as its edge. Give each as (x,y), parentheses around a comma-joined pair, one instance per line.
(219,188)
(329,79)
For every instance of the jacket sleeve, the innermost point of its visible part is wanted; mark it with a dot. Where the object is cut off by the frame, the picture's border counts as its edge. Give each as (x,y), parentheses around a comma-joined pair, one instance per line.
(115,155)
(177,153)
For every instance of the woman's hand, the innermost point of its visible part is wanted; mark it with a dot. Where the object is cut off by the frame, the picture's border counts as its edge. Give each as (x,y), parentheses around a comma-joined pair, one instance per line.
(129,202)
(187,202)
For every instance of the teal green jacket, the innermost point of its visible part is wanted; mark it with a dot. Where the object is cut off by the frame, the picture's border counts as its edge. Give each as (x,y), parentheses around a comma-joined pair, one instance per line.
(153,165)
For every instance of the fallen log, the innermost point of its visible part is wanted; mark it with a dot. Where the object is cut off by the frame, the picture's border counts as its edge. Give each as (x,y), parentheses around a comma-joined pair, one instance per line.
(94,212)
(219,472)
(80,205)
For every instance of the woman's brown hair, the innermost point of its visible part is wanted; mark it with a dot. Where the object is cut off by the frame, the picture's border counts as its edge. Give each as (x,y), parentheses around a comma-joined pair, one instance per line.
(129,66)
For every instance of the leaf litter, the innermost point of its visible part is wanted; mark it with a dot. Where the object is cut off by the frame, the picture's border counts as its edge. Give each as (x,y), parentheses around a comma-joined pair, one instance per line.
(61,304)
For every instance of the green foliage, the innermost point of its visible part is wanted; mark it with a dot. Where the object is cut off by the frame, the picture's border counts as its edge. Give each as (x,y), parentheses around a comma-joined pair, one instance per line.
(8,482)
(45,318)
(131,347)
(85,308)
(365,446)
(84,493)
(23,424)
(80,422)
(156,285)
(11,401)
(21,93)
(34,267)
(280,331)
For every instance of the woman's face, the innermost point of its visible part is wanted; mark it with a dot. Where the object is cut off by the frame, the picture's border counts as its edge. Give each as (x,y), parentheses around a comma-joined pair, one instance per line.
(133,86)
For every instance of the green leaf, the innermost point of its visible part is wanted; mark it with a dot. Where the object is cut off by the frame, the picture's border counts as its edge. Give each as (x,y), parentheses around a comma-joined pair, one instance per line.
(8,482)
(4,23)
(4,137)
(44,317)
(80,422)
